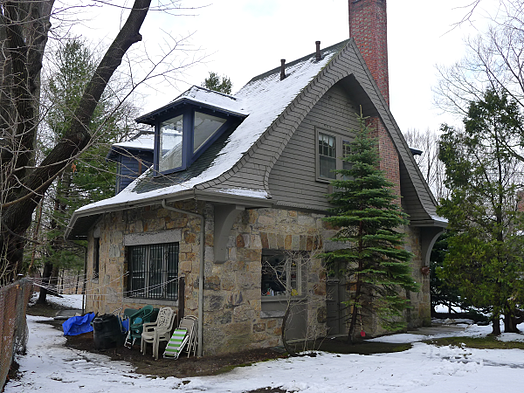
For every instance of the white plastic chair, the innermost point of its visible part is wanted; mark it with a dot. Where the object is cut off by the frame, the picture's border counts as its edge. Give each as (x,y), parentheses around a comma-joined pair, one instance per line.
(157,331)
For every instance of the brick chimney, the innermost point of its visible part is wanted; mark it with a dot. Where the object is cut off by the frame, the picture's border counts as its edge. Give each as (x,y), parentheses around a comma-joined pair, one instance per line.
(368,26)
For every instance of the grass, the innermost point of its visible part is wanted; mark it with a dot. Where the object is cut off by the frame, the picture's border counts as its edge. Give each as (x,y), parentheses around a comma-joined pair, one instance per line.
(488,342)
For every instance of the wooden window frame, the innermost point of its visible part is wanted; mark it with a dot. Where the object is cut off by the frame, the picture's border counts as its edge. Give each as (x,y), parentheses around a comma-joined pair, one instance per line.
(340,142)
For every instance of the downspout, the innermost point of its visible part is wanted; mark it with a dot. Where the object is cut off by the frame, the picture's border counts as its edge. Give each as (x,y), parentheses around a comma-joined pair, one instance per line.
(201,272)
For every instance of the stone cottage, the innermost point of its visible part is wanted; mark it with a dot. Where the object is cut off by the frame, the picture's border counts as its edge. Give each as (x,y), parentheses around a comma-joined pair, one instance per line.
(227,223)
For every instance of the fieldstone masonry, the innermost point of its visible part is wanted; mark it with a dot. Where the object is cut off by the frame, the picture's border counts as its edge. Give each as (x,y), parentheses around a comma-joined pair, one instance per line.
(234,310)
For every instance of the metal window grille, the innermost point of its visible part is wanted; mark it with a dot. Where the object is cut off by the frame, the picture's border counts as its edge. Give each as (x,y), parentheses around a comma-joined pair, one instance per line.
(153,271)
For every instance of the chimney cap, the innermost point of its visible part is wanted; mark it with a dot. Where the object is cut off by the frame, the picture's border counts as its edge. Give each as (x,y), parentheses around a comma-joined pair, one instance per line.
(282,69)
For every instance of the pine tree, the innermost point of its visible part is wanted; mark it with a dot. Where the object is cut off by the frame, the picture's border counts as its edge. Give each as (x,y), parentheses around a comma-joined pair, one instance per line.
(368,219)
(484,260)
(221,84)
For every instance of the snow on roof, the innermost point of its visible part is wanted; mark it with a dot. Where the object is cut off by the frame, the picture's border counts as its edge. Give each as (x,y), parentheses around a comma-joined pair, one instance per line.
(144,141)
(199,96)
(264,98)
(212,98)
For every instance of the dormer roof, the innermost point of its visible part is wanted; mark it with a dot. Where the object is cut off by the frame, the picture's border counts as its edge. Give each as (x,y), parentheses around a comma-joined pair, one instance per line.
(198,97)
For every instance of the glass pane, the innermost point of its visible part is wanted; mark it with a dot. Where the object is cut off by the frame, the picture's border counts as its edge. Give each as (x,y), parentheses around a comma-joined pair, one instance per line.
(172,271)
(137,270)
(205,127)
(327,155)
(327,166)
(155,272)
(171,137)
(273,275)
(326,144)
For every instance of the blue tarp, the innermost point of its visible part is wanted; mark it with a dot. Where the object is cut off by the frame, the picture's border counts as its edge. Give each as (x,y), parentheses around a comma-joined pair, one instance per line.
(78,325)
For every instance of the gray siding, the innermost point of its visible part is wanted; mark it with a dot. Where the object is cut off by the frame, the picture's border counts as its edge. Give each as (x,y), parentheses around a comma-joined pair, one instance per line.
(293,180)
(294,185)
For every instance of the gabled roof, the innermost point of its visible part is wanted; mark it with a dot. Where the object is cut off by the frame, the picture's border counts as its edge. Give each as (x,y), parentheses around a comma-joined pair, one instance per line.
(274,109)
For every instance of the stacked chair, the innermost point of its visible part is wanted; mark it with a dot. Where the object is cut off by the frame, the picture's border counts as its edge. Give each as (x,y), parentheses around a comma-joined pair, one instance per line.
(136,322)
(155,332)
(183,338)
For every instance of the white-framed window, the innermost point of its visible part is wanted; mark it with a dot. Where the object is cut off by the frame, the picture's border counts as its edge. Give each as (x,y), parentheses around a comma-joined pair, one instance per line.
(282,273)
(330,150)
(153,271)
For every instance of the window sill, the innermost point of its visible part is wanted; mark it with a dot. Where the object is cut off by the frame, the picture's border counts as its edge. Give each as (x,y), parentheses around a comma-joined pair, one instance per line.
(272,314)
(160,302)
(281,299)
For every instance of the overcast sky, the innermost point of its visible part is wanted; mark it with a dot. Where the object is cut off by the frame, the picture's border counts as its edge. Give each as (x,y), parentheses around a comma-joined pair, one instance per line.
(244,38)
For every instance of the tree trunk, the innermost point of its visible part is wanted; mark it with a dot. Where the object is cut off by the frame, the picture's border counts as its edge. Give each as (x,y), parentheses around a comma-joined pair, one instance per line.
(496,327)
(510,325)
(46,279)
(20,203)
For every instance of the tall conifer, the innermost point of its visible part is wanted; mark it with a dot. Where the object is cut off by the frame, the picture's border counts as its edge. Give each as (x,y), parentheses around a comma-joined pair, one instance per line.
(373,259)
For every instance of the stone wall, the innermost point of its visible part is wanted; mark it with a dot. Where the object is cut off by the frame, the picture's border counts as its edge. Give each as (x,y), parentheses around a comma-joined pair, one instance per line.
(234,308)
(105,293)
(236,315)
(420,312)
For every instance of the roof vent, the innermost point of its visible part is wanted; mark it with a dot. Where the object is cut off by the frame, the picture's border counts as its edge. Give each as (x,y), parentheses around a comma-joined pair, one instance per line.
(282,69)
(318,55)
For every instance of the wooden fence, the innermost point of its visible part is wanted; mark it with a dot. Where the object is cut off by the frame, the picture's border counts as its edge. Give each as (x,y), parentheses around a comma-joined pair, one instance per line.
(13,326)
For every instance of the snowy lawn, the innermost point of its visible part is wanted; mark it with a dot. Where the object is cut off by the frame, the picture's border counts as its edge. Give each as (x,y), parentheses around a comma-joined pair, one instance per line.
(51,367)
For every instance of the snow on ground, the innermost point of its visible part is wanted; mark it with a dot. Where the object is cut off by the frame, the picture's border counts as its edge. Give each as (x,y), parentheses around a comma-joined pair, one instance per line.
(51,367)
(67,301)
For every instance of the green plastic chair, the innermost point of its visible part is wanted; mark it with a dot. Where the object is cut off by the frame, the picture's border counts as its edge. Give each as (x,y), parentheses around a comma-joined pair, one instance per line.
(136,325)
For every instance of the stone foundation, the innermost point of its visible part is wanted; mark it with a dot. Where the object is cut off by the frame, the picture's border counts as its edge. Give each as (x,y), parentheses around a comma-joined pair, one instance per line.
(236,315)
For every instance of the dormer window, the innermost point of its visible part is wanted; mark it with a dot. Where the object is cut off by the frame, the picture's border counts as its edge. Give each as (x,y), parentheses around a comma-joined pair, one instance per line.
(183,138)
(205,127)
(186,127)
(171,144)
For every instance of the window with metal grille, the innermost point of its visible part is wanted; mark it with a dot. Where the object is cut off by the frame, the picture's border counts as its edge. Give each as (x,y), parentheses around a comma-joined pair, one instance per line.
(153,271)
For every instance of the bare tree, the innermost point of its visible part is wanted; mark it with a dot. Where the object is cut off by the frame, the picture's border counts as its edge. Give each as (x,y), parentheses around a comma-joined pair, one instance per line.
(24,31)
(285,278)
(493,60)
(431,167)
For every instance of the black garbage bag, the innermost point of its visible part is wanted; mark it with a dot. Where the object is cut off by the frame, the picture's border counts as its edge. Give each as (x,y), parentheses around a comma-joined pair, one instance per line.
(107,332)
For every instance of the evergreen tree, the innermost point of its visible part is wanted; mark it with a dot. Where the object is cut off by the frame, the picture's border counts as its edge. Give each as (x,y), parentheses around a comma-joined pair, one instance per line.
(373,259)
(485,259)
(221,84)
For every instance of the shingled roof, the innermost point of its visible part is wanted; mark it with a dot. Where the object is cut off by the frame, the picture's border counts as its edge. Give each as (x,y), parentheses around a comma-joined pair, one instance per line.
(273,109)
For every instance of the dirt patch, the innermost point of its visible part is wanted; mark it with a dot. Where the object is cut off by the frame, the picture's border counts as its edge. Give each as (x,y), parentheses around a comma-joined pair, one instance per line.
(208,365)
(182,367)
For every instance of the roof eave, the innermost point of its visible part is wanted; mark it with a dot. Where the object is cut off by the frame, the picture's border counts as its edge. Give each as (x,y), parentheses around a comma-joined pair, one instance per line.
(150,118)
(207,196)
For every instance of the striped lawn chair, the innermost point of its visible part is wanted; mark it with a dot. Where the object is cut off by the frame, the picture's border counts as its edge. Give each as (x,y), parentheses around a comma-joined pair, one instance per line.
(183,337)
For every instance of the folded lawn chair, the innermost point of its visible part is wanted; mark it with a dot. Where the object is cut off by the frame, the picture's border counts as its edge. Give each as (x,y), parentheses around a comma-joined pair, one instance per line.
(136,322)
(184,337)
(154,332)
